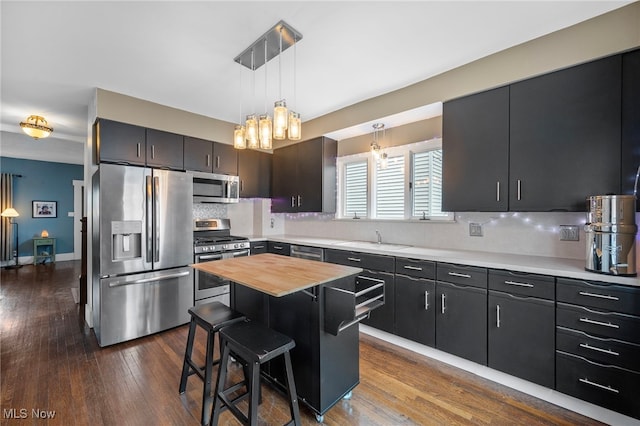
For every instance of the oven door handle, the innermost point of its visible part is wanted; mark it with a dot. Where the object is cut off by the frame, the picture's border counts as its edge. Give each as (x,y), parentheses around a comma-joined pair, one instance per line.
(204,258)
(240,253)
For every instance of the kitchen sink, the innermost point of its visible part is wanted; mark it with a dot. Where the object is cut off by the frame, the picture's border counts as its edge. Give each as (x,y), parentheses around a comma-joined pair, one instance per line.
(373,245)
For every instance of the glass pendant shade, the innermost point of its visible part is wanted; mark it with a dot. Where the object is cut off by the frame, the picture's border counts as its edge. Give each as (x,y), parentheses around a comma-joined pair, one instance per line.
(265,129)
(280,119)
(251,131)
(295,126)
(239,139)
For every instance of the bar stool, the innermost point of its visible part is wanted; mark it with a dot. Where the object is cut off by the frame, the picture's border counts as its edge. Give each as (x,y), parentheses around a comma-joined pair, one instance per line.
(254,344)
(211,317)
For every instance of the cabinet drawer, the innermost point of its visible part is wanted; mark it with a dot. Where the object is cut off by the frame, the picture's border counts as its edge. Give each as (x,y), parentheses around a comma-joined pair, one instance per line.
(611,297)
(522,284)
(374,262)
(603,324)
(608,386)
(598,349)
(258,247)
(416,268)
(460,274)
(279,248)
(45,241)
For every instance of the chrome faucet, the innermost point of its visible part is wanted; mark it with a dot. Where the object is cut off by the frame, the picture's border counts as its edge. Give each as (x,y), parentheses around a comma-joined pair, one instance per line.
(379,237)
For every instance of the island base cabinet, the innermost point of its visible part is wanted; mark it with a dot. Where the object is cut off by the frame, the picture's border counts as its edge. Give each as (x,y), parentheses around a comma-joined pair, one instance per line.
(415,309)
(461,321)
(522,337)
(606,385)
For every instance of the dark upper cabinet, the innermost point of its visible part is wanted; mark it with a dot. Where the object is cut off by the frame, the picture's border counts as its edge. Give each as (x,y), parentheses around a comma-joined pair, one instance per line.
(475,133)
(304,177)
(119,142)
(225,159)
(210,157)
(254,169)
(565,137)
(165,150)
(198,154)
(630,121)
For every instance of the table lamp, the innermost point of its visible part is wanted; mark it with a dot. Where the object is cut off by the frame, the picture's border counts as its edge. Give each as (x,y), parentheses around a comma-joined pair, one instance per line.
(11,213)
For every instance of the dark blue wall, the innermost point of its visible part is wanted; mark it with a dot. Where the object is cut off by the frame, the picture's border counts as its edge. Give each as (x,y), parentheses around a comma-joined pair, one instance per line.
(44,181)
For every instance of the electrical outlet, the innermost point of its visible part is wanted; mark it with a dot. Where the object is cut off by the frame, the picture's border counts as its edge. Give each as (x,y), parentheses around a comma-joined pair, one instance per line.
(475,229)
(569,233)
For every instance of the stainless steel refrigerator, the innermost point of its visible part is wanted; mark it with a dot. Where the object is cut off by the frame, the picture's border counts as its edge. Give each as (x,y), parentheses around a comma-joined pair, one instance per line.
(142,244)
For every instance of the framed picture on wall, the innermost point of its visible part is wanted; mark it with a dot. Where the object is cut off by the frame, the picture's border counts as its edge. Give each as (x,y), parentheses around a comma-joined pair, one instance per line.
(45,209)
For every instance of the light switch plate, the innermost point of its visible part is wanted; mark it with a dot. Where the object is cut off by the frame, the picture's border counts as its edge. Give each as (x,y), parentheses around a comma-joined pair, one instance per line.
(475,229)
(569,233)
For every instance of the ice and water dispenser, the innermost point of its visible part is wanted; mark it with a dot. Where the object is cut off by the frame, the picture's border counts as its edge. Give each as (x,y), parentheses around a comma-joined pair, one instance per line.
(611,234)
(126,240)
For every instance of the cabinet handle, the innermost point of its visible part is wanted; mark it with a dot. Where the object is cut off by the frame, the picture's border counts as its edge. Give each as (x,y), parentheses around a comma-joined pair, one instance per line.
(258,247)
(598,385)
(138,149)
(599,296)
(278,247)
(353,259)
(457,274)
(426,300)
(299,201)
(604,324)
(241,185)
(443,298)
(217,161)
(498,316)
(413,268)
(153,152)
(498,191)
(594,348)
(293,201)
(518,284)
(519,190)
(208,160)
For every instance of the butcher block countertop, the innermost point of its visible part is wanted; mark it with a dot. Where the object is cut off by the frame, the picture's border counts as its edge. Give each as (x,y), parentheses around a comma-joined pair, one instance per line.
(274,274)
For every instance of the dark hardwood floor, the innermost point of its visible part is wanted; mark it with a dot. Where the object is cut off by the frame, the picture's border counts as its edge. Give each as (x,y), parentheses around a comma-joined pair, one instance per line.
(50,362)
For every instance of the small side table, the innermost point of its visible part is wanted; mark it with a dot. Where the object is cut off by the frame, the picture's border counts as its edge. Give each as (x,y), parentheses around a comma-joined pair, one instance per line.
(40,251)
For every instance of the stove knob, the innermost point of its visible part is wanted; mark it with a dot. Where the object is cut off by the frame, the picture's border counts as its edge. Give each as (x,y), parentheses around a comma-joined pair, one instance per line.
(235,245)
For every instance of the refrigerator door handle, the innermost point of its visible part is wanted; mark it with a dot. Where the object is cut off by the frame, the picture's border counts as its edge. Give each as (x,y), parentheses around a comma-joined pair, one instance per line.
(149,196)
(156,217)
(149,280)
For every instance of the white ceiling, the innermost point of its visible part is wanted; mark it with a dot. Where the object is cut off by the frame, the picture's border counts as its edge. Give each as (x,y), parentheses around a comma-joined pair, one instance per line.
(180,53)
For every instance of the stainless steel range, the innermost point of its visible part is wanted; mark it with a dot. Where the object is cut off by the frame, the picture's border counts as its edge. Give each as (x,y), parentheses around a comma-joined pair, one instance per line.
(212,241)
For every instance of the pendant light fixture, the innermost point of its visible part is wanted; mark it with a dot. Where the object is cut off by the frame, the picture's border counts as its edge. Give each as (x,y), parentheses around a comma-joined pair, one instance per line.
(295,124)
(280,113)
(376,150)
(265,127)
(36,127)
(260,132)
(239,137)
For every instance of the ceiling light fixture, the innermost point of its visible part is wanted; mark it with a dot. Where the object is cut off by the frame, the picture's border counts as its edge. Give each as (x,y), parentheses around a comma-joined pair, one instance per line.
(36,127)
(260,133)
(376,150)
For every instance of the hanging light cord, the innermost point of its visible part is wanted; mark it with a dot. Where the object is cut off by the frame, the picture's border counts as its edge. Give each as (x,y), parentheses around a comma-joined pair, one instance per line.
(240,122)
(253,70)
(295,73)
(265,77)
(280,67)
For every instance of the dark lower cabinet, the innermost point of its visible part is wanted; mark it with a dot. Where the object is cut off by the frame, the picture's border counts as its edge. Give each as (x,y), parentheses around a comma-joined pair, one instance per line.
(461,321)
(258,247)
(522,337)
(275,247)
(415,309)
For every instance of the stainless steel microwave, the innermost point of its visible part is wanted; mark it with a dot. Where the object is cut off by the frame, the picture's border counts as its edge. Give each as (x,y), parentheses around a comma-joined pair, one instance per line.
(215,188)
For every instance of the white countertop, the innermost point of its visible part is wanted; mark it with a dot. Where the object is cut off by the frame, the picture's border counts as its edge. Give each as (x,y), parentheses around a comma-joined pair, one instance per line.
(559,267)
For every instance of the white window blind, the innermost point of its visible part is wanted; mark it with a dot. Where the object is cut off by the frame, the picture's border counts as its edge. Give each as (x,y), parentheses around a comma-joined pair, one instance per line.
(390,189)
(427,183)
(355,189)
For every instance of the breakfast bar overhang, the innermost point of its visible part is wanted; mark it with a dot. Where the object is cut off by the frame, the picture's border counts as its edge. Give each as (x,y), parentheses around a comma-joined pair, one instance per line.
(317,304)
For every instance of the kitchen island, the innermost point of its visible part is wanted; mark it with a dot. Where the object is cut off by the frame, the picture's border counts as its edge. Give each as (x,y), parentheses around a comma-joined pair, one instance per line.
(290,295)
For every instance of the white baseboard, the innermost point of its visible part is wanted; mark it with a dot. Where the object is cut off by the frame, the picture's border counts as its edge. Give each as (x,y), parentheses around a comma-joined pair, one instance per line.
(540,392)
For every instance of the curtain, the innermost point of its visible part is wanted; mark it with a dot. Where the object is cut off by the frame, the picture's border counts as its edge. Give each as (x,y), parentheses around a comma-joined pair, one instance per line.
(6,201)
